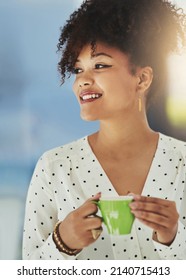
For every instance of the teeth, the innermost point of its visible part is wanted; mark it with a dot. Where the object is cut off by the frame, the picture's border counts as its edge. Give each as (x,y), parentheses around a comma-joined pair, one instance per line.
(90,96)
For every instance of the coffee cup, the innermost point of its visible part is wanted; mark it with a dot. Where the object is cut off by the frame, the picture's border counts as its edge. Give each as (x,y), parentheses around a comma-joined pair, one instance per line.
(116,214)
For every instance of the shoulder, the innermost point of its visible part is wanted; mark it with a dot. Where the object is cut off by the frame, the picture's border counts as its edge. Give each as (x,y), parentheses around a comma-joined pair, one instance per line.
(173,145)
(66,152)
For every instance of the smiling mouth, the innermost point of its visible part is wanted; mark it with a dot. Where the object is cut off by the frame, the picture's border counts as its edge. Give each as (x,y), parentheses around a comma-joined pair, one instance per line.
(90,97)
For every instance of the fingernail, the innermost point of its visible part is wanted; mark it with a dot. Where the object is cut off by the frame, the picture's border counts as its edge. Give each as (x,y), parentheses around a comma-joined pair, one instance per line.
(133,205)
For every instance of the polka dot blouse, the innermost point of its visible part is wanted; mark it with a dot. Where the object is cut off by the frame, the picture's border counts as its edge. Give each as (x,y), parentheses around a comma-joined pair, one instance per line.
(67,176)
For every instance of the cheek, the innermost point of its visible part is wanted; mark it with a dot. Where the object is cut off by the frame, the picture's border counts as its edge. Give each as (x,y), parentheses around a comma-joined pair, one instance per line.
(129,85)
(121,86)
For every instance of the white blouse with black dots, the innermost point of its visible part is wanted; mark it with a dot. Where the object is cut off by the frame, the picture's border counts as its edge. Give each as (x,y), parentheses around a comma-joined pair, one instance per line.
(67,176)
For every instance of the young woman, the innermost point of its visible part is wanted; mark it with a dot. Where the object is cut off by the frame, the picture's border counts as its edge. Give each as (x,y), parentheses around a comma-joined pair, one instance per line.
(117,51)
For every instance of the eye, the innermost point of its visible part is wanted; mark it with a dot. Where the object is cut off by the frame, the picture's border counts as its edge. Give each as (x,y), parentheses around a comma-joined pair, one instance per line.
(76,70)
(101,66)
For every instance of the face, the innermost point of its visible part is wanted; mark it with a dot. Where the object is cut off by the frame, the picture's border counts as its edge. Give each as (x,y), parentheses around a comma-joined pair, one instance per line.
(104,85)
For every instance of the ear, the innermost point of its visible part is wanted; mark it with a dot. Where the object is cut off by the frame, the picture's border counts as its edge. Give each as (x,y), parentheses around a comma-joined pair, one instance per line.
(145,77)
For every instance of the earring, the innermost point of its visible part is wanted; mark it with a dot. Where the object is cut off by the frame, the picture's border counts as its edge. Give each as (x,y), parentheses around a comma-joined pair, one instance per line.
(139,104)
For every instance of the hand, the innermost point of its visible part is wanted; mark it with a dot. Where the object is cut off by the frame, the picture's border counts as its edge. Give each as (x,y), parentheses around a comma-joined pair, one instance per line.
(75,229)
(159,214)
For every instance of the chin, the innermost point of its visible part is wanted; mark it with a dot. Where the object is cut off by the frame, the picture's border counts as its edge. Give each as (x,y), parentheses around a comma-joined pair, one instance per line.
(89,117)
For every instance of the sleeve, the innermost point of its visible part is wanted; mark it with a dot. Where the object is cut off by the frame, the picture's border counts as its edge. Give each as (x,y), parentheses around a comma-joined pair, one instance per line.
(177,250)
(40,218)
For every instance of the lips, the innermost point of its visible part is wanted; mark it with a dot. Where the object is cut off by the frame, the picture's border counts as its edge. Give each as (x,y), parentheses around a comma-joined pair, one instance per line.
(89,96)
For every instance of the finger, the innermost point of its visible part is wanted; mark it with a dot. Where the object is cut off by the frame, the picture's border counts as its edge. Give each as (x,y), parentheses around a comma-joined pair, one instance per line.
(153,218)
(95,197)
(87,209)
(152,200)
(150,207)
(168,210)
(93,223)
(90,208)
(154,226)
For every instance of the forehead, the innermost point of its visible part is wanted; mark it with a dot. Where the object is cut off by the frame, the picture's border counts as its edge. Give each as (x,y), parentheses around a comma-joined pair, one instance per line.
(101,49)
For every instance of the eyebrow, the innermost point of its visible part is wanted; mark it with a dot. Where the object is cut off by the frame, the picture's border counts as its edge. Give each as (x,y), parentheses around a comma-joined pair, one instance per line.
(97,54)
(101,53)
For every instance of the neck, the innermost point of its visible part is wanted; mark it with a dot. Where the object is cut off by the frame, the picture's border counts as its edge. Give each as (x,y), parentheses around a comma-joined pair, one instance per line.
(122,137)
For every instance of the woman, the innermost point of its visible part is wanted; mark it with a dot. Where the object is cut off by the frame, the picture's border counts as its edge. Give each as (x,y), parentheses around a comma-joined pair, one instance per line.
(117,51)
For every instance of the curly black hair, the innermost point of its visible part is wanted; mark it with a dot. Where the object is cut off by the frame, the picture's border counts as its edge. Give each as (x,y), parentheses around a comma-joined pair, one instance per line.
(146,30)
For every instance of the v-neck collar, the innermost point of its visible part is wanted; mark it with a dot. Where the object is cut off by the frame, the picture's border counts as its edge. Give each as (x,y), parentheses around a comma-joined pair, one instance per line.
(106,178)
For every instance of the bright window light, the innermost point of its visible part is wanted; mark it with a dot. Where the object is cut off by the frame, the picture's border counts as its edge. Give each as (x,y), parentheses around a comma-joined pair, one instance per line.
(176,100)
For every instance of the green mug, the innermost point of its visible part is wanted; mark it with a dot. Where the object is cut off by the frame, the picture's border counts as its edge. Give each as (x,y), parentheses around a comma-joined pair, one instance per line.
(116,214)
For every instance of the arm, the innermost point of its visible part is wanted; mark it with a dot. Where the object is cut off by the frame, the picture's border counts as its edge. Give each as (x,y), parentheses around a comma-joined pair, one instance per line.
(169,231)
(41,216)
(159,214)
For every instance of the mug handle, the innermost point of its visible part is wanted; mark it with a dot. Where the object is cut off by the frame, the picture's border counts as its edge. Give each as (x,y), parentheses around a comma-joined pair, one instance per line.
(97,202)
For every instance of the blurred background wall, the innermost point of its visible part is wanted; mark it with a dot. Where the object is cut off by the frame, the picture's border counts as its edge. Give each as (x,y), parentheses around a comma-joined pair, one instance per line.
(37,114)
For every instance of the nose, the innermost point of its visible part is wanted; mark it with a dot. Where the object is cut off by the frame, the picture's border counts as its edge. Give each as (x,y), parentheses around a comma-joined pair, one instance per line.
(84,84)
(85,79)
